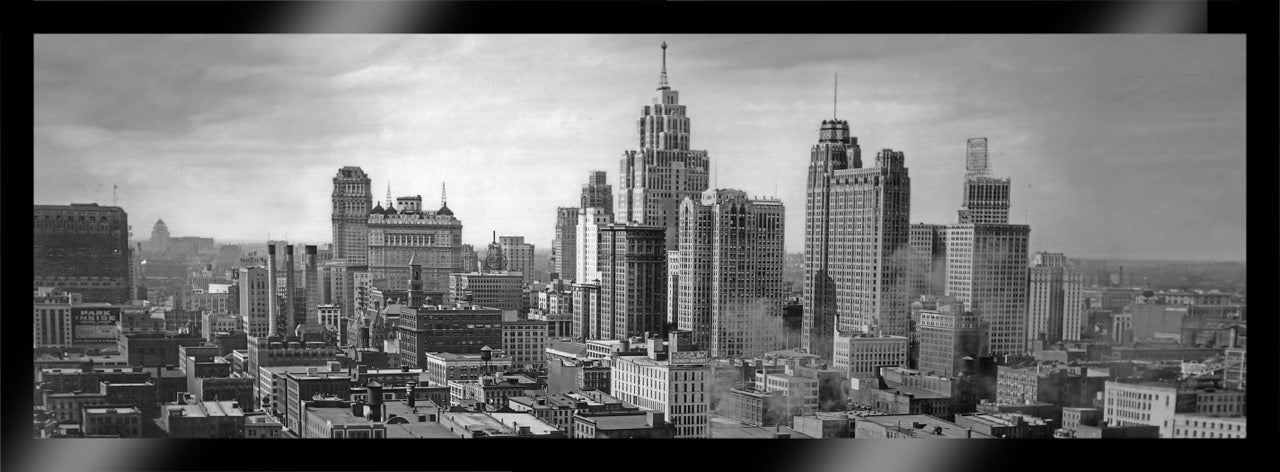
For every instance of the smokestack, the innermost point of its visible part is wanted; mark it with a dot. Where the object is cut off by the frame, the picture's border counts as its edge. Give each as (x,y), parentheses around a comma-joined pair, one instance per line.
(273,309)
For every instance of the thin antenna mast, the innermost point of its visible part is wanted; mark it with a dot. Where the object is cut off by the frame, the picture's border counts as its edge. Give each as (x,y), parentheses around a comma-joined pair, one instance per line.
(114,201)
(835,94)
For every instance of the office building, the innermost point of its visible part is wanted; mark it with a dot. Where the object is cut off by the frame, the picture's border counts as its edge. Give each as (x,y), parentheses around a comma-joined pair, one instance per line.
(453,329)
(597,193)
(588,243)
(928,264)
(352,200)
(500,290)
(664,170)
(519,255)
(445,367)
(404,231)
(254,300)
(945,338)
(526,342)
(1054,304)
(119,421)
(633,267)
(677,386)
(856,241)
(564,248)
(987,270)
(83,248)
(730,273)
(194,419)
(863,354)
(986,198)
(1160,404)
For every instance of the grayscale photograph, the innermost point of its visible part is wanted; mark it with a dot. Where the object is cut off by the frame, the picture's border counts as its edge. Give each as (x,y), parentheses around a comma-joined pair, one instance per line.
(655,236)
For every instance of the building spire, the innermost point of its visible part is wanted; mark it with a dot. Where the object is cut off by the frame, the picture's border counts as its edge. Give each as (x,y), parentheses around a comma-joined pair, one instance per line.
(388,194)
(662,82)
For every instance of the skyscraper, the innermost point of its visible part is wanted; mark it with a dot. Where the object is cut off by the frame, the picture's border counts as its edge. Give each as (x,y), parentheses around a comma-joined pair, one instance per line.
(987,257)
(928,259)
(159,242)
(986,198)
(597,193)
(432,238)
(83,248)
(663,171)
(254,293)
(588,243)
(564,253)
(857,241)
(519,255)
(352,201)
(1054,301)
(633,292)
(987,270)
(730,273)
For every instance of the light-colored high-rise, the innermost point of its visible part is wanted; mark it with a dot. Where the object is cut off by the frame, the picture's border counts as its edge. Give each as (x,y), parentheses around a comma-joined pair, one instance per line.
(564,248)
(730,273)
(674,386)
(352,201)
(431,238)
(987,270)
(1054,302)
(987,257)
(255,293)
(857,242)
(519,255)
(588,241)
(659,175)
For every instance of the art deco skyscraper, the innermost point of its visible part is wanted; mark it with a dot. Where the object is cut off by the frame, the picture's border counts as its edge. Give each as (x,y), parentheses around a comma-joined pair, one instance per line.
(987,257)
(730,273)
(633,292)
(352,201)
(597,193)
(986,198)
(856,241)
(659,175)
(1054,302)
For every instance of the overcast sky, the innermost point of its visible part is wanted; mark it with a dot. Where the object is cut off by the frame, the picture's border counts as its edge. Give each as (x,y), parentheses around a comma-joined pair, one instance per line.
(1117,145)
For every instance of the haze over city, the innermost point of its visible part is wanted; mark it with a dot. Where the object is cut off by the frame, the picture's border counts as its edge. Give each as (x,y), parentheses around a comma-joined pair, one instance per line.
(1117,146)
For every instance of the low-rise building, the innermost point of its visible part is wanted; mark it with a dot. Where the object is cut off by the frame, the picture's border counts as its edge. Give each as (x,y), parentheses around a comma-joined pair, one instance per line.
(1158,403)
(1201,425)
(201,419)
(862,355)
(122,421)
(911,427)
(622,425)
(475,425)
(1007,425)
(525,341)
(260,425)
(445,367)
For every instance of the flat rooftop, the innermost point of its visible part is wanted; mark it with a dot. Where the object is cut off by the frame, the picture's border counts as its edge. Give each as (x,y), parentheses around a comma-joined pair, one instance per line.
(724,428)
(1002,420)
(121,410)
(905,424)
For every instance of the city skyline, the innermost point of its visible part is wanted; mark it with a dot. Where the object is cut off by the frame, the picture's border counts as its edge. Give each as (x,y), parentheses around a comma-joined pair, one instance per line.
(263,122)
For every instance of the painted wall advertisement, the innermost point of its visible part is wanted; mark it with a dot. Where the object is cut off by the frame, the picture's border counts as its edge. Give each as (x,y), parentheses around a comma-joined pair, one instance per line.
(687,358)
(94,324)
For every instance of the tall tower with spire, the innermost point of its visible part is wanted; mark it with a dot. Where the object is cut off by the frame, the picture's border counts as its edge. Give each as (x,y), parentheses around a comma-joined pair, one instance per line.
(352,200)
(663,171)
(856,241)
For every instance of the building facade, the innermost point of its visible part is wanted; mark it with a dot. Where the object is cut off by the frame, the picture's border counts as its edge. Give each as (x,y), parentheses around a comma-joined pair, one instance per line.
(456,329)
(730,273)
(433,239)
(501,290)
(857,245)
(519,255)
(352,200)
(564,248)
(663,171)
(928,267)
(633,292)
(986,198)
(862,354)
(987,270)
(945,338)
(1054,304)
(83,248)
(681,392)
